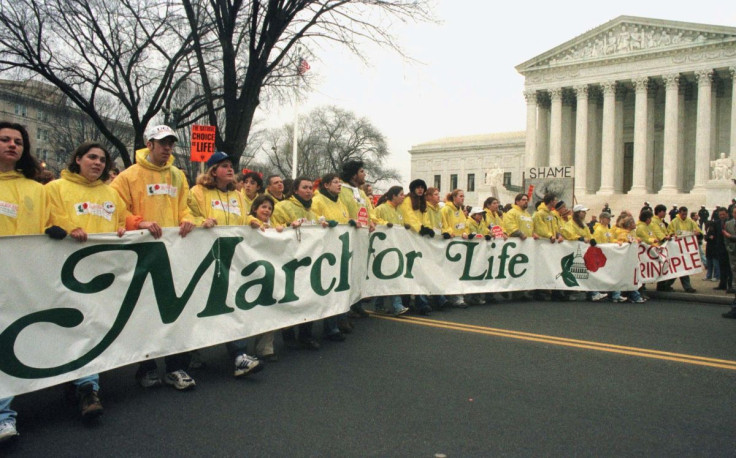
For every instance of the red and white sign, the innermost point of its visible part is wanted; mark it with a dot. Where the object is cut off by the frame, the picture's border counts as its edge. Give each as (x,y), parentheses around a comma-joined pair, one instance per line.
(363,216)
(203,142)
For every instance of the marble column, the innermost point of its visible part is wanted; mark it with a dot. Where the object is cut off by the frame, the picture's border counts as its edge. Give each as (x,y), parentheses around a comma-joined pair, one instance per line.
(530,156)
(670,164)
(568,129)
(651,124)
(555,127)
(640,166)
(581,141)
(732,138)
(608,138)
(542,131)
(618,142)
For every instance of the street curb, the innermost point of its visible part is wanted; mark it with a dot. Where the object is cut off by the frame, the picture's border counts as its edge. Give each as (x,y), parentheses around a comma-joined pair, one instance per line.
(691,297)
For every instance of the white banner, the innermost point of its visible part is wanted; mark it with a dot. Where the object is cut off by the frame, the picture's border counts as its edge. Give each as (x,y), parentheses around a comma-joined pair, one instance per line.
(71,309)
(676,258)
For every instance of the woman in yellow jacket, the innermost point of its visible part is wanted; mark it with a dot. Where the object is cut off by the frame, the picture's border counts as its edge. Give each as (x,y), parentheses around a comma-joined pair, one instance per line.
(453,218)
(296,211)
(602,233)
(326,202)
(414,207)
(80,202)
(576,229)
(214,201)
(625,232)
(432,218)
(23,211)
(492,216)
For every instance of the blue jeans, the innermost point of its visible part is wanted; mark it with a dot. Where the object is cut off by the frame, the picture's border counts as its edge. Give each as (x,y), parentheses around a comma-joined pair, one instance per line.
(94,379)
(713,268)
(6,413)
(396,303)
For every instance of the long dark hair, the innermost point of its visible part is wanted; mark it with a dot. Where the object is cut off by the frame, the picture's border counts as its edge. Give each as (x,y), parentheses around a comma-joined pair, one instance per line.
(392,192)
(84,149)
(27,164)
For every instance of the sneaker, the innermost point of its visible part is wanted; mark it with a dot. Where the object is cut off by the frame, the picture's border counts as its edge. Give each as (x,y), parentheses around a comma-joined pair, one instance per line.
(7,430)
(401,311)
(640,300)
(715,279)
(179,380)
(460,305)
(89,402)
(246,365)
(148,379)
(619,299)
(598,297)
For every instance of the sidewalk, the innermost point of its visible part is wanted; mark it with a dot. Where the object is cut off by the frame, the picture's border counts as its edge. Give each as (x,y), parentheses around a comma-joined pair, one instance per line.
(704,292)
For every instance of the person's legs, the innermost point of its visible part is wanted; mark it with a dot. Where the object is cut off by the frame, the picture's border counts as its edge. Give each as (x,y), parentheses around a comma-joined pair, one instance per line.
(7,420)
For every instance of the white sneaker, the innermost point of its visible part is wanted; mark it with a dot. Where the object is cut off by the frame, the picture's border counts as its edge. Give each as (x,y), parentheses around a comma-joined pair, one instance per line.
(598,297)
(640,300)
(619,299)
(179,380)
(7,429)
(245,365)
(401,311)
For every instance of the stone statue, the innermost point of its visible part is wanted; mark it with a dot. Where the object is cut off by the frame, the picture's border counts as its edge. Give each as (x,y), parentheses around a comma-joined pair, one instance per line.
(494,177)
(722,168)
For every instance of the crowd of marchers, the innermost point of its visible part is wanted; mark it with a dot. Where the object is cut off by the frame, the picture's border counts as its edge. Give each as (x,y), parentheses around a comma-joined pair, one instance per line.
(92,196)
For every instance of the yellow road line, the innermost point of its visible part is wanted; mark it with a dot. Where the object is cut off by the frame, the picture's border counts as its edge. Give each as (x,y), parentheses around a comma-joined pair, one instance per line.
(562,341)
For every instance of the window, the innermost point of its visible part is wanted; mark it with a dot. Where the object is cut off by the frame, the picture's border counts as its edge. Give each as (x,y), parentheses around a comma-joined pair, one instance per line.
(43,116)
(42,134)
(453,182)
(507,178)
(21,110)
(438,181)
(471,182)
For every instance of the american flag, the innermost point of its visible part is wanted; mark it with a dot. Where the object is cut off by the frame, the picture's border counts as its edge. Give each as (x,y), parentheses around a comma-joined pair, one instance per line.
(303,67)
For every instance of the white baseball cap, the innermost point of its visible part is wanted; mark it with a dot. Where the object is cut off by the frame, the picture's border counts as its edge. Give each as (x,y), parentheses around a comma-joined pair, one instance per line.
(476,210)
(159,132)
(579,208)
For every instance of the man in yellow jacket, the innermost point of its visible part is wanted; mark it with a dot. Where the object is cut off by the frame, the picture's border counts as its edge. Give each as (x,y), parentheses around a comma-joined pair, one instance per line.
(683,226)
(517,222)
(155,193)
(546,225)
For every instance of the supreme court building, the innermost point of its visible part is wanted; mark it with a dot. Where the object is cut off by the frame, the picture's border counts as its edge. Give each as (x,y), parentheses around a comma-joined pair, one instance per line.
(639,106)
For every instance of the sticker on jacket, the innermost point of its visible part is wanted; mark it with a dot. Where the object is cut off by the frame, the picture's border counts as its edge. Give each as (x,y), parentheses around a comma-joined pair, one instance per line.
(8,209)
(104,210)
(162,189)
(230,207)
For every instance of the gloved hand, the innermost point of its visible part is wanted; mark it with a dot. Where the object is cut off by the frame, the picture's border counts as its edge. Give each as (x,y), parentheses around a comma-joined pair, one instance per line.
(581,239)
(352,223)
(331,222)
(424,230)
(389,224)
(593,242)
(406,226)
(487,237)
(56,233)
(446,235)
(471,235)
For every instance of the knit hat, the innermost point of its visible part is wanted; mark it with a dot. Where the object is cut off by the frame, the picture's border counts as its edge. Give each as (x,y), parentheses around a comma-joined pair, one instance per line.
(417,184)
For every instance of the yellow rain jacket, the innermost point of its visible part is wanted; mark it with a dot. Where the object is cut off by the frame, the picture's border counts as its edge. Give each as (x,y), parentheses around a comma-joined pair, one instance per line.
(545,224)
(354,199)
(153,193)
(433,218)
(517,219)
(622,235)
(389,214)
(683,228)
(471,227)
(453,220)
(290,210)
(94,207)
(603,234)
(335,210)
(225,207)
(23,207)
(659,229)
(248,203)
(645,234)
(571,231)
(413,218)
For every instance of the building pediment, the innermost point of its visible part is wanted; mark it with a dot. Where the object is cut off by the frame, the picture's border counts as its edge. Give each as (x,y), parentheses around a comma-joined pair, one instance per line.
(630,37)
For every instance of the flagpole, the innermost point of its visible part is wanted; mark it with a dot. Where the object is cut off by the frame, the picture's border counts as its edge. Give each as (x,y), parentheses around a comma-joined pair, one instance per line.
(296,126)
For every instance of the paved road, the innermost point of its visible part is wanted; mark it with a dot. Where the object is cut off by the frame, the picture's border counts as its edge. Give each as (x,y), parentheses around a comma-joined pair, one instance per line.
(512,379)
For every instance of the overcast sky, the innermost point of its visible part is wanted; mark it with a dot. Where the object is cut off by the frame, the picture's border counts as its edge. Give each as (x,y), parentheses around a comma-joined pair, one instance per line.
(464,82)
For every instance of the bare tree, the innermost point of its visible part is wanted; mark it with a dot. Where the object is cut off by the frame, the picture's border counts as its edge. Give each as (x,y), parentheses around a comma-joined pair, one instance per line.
(328,138)
(130,50)
(255,45)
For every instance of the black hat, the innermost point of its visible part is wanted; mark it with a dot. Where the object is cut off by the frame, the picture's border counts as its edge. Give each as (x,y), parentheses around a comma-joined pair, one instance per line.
(418,183)
(350,169)
(559,204)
